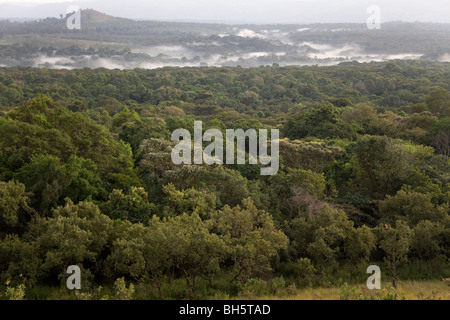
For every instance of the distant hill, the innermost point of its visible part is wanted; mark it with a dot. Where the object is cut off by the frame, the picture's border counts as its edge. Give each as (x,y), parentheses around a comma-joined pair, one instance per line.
(242,12)
(93,16)
(113,42)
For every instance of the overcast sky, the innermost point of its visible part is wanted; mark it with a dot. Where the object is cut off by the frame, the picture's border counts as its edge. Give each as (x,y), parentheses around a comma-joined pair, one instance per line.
(249,11)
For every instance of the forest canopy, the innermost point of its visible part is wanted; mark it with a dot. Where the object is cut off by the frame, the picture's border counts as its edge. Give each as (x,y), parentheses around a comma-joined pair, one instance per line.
(86,177)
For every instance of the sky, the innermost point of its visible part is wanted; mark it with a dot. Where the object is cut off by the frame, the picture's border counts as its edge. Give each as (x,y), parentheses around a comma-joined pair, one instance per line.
(240,11)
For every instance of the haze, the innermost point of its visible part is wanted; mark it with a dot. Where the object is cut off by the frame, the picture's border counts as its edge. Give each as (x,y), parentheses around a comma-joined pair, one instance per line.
(237,11)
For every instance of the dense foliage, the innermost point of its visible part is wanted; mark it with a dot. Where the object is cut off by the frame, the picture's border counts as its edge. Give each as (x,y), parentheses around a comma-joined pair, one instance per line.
(86,177)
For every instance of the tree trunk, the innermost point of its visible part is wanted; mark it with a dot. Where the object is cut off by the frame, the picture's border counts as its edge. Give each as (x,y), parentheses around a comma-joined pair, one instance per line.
(158,287)
(394,274)
(188,283)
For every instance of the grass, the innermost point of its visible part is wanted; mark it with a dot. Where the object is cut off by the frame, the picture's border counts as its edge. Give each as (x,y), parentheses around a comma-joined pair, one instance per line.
(410,290)
(253,290)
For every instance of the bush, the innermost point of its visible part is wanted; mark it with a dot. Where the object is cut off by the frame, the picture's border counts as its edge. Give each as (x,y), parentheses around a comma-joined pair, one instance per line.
(15,293)
(254,288)
(389,293)
(122,292)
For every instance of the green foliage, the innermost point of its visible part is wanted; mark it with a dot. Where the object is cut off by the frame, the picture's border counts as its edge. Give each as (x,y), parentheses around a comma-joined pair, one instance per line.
(427,241)
(16,293)
(250,237)
(319,234)
(192,249)
(412,207)
(122,292)
(321,123)
(202,203)
(75,235)
(14,207)
(385,164)
(41,126)
(46,178)
(132,206)
(86,178)
(313,155)
(85,181)
(359,244)
(50,181)
(396,242)
(346,293)
(439,103)
(18,259)
(253,288)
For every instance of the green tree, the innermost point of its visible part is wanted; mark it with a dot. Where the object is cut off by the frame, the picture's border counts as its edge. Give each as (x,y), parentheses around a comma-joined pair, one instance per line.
(46,178)
(75,235)
(384,165)
(192,249)
(320,123)
(427,241)
(396,242)
(319,235)
(133,205)
(439,103)
(411,207)
(85,181)
(139,252)
(251,238)
(189,201)
(440,137)
(359,244)
(19,260)
(14,209)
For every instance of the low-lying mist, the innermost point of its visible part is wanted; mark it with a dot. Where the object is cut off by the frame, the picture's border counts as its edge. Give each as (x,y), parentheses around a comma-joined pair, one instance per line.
(245,46)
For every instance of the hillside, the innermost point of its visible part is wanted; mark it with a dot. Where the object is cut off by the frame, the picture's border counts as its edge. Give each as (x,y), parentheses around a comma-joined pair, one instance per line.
(111,42)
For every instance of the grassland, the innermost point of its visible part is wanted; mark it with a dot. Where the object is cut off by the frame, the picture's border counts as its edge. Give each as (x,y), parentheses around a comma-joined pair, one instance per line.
(407,290)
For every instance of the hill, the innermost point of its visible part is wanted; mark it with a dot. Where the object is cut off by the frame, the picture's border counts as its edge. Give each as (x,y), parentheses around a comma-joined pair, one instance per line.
(113,42)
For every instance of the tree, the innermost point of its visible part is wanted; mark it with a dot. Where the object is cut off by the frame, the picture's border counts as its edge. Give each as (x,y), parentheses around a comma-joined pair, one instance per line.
(19,141)
(85,181)
(426,243)
(46,178)
(440,137)
(75,235)
(439,103)
(312,155)
(42,126)
(320,123)
(189,201)
(396,242)
(123,117)
(157,169)
(19,258)
(319,236)
(132,206)
(192,249)
(251,238)
(137,131)
(229,186)
(411,207)
(384,164)
(358,113)
(329,230)
(139,252)
(358,245)
(14,209)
